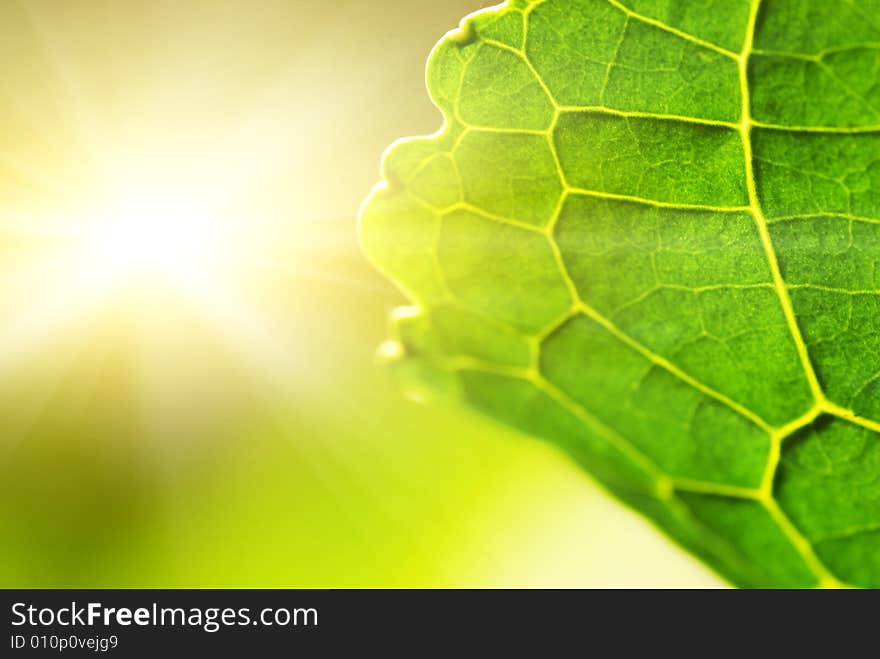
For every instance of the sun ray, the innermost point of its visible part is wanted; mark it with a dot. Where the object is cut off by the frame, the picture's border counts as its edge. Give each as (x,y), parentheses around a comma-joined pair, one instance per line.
(78,110)
(31,173)
(34,328)
(302,271)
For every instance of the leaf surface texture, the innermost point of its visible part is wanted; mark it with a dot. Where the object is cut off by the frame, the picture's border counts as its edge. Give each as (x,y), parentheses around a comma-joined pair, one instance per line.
(649,233)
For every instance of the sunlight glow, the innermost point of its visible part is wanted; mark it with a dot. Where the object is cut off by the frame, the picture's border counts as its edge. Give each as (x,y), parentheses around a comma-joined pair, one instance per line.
(159,208)
(145,240)
(149,235)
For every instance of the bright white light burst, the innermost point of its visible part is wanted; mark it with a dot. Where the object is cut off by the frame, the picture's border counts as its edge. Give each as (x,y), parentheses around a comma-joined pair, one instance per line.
(147,234)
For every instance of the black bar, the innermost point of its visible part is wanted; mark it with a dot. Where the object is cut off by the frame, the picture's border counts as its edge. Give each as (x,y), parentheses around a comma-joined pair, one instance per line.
(418,622)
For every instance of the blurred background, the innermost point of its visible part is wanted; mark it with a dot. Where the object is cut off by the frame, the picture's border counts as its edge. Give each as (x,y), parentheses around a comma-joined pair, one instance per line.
(188,389)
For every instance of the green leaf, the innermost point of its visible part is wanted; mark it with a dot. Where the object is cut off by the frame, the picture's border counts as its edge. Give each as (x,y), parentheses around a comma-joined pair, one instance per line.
(649,232)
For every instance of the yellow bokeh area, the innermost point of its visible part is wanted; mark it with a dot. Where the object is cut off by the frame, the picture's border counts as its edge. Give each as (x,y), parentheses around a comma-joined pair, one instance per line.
(189,394)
